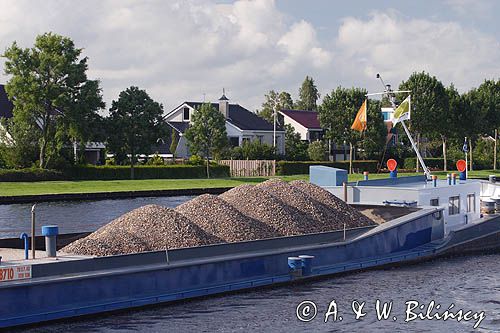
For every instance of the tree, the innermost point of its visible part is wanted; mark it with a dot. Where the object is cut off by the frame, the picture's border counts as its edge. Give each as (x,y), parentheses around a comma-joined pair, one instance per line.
(429,107)
(295,148)
(134,124)
(174,143)
(274,102)
(50,91)
(317,151)
(206,134)
(337,112)
(374,139)
(308,95)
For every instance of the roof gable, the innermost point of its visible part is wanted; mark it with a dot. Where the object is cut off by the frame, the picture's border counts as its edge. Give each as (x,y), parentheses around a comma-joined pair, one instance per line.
(308,119)
(6,105)
(242,118)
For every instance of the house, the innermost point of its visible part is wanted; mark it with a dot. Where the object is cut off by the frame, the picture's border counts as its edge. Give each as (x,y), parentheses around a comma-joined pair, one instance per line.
(241,125)
(306,123)
(93,150)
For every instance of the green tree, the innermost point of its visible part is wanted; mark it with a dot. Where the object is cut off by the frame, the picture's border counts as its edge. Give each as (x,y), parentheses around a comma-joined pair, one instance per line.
(429,107)
(135,124)
(274,102)
(295,148)
(308,95)
(337,112)
(206,134)
(373,140)
(51,93)
(317,151)
(174,143)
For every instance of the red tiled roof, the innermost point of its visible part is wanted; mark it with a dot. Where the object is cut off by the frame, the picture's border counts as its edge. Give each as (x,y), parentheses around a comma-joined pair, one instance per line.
(308,119)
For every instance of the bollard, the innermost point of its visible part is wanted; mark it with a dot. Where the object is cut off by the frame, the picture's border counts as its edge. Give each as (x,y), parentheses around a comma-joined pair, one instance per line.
(463,175)
(26,245)
(434,180)
(454,177)
(50,232)
(448,178)
(306,264)
(295,266)
(365,175)
(393,174)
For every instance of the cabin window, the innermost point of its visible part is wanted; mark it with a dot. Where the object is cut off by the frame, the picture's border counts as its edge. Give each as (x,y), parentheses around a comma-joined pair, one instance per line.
(186,114)
(454,205)
(434,202)
(471,203)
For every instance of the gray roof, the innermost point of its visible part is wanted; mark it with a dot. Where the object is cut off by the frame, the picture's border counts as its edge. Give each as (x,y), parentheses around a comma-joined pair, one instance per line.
(243,118)
(6,105)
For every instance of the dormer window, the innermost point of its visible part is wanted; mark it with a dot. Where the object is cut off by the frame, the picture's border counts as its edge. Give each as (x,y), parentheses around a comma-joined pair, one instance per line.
(186,114)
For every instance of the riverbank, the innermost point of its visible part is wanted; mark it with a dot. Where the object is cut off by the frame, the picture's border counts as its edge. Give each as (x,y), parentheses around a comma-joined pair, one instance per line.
(16,192)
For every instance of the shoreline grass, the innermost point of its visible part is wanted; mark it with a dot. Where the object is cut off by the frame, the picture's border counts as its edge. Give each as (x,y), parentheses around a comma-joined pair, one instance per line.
(93,186)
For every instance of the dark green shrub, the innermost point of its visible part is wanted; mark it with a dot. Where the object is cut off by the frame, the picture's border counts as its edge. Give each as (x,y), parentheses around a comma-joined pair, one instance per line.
(299,168)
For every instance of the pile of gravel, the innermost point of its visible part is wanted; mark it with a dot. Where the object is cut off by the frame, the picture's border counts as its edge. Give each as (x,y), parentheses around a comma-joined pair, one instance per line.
(353,218)
(323,216)
(261,205)
(219,218)
(148,228)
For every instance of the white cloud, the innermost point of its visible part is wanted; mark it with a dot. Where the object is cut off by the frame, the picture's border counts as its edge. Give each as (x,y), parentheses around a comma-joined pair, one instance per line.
(397,46)
(180,50)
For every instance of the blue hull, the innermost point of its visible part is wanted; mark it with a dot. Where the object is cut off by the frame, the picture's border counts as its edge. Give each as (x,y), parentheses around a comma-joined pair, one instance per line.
(88,286)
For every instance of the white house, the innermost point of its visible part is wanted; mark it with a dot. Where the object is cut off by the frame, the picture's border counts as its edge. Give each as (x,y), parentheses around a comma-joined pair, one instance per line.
(241,125)
(306,123)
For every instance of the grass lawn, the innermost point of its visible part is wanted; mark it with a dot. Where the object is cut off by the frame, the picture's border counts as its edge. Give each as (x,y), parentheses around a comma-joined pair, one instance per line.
(90,186)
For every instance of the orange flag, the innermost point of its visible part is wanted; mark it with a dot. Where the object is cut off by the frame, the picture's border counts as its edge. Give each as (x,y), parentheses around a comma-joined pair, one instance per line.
(359,123)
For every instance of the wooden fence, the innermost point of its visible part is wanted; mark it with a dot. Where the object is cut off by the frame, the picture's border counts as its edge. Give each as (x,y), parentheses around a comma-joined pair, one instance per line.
(250,168)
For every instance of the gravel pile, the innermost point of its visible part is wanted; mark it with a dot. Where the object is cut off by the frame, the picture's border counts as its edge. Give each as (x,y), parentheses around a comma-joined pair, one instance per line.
(219,218)
(325,218)
(353,217)
(261,205)
(148,228)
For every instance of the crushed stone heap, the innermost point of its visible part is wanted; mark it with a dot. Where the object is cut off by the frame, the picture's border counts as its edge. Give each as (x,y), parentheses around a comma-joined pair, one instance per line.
(353,217)
(218,217)
(148,228)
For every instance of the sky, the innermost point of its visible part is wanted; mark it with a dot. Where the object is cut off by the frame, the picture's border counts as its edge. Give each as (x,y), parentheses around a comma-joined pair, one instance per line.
(189,50)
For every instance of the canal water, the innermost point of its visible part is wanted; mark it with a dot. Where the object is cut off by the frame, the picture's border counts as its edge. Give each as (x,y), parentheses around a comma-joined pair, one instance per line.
(74,216)
(470,283)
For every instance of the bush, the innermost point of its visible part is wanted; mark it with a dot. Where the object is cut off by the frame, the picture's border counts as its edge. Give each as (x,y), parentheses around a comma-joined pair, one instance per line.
(299,168)
(196,160)
(431,163)
(317,151)
(114,172)
(29,175)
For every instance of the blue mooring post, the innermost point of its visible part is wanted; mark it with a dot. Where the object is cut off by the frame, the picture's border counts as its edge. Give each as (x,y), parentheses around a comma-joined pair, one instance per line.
(26,244)
(394,174)
(50,232)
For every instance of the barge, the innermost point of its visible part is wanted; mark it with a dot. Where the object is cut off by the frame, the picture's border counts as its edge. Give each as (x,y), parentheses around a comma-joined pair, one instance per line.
(34,291)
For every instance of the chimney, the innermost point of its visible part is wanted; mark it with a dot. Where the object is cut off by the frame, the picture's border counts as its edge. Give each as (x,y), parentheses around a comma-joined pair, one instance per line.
(224,104)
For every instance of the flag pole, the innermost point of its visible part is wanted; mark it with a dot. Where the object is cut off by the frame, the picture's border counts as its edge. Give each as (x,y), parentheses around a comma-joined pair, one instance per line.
(420,159)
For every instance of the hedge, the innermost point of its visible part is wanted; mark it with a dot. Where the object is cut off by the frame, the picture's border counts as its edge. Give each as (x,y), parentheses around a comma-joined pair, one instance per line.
(432,163)
(114,173)
(299,168)
(29,175)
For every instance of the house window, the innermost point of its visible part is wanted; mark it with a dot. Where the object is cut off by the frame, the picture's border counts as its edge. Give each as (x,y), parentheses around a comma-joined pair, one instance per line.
(435,202)
(454,205)
(260,138)
(245,140)
(186,114)
(234,141)
(471,203)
